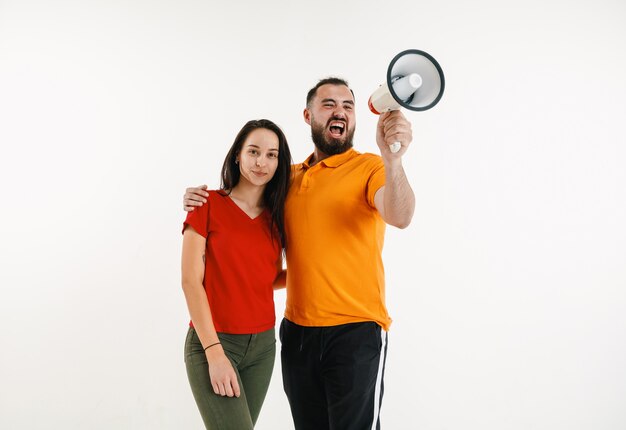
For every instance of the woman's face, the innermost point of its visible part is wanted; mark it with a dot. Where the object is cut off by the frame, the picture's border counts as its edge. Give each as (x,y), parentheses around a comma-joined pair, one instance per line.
(258,158)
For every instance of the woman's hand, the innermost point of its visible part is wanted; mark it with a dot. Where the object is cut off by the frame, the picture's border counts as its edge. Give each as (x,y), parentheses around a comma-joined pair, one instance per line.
(223,376)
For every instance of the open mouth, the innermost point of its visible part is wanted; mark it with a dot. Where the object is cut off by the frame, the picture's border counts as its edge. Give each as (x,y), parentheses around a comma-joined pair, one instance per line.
(336,129)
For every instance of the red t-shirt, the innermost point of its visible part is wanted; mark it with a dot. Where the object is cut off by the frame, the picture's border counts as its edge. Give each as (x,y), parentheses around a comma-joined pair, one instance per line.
(240,266)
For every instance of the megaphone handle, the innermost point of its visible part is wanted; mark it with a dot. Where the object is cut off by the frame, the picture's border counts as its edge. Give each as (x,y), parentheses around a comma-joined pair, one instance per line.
(395,146)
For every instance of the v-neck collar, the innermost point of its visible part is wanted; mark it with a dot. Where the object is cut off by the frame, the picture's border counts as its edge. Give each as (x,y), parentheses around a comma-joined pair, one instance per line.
(241,211)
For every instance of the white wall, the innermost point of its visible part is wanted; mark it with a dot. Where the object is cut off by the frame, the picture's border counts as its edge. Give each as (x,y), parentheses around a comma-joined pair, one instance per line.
(508,289)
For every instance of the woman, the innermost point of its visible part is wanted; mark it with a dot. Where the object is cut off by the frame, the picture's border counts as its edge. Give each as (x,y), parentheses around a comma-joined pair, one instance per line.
(231,260)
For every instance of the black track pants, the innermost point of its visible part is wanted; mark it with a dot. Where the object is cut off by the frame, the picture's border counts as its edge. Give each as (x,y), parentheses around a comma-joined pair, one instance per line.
(333,376)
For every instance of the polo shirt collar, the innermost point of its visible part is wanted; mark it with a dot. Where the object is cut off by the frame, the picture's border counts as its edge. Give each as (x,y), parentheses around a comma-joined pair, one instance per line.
(333,160)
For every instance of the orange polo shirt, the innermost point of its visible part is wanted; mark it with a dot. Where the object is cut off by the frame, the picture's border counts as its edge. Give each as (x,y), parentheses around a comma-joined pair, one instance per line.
(335,239)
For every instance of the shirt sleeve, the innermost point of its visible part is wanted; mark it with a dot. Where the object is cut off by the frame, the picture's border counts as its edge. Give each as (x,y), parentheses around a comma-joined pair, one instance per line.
(198,219)
(376,179)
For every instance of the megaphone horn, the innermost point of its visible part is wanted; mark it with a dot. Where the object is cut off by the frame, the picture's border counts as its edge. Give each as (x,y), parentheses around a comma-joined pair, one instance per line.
(414,81)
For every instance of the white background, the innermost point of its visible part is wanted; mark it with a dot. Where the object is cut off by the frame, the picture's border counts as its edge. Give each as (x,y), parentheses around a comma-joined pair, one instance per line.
(508,290)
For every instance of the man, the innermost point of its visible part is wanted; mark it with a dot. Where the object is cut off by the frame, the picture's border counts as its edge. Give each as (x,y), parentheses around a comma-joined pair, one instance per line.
(334,334)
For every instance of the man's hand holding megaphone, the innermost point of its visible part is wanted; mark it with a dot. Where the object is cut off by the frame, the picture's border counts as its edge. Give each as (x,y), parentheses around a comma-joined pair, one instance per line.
(393,127)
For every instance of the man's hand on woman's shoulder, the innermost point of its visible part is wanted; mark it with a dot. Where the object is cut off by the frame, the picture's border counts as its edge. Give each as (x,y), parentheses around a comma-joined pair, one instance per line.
(194,197)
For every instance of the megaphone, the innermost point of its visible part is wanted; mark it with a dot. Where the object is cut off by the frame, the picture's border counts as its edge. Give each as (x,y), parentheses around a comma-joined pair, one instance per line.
(414,81)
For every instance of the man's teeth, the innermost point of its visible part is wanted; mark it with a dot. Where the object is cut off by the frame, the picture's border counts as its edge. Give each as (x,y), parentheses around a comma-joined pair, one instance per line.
(337,127)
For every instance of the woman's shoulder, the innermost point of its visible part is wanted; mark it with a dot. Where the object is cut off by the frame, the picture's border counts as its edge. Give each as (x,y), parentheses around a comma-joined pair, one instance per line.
(218,198)
(217,193)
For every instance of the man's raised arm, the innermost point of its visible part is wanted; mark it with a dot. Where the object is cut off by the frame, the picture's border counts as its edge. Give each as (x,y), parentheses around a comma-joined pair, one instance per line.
(395,201)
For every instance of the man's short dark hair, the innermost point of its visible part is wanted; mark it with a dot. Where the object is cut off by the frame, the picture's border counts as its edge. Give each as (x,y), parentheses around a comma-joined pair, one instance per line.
(331,81)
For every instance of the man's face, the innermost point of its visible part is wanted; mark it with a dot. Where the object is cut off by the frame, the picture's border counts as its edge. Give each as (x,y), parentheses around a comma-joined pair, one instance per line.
(332,119)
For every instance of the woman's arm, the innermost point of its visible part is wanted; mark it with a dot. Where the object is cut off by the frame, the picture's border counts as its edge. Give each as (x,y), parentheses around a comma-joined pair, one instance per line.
(223,377)
(281,279)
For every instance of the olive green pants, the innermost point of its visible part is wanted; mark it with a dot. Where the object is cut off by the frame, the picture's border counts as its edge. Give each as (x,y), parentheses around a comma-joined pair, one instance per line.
(252,357)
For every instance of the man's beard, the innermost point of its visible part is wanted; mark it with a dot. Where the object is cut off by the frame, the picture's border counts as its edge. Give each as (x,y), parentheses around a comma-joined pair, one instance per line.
(330,146)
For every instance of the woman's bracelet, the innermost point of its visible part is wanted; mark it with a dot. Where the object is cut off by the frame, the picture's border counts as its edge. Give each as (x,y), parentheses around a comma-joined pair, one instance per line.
(213,344)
